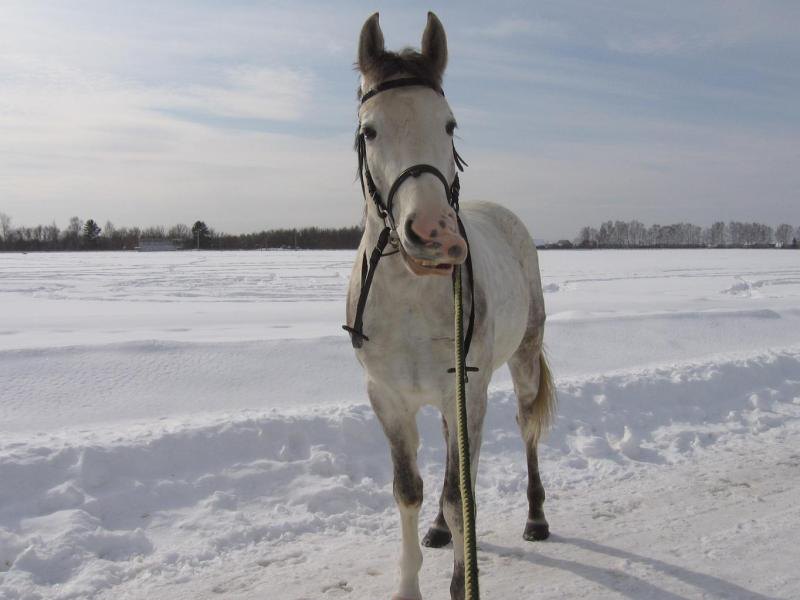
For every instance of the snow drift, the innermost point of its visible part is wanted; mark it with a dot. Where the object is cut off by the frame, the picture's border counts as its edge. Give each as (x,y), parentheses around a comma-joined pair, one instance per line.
(88,509)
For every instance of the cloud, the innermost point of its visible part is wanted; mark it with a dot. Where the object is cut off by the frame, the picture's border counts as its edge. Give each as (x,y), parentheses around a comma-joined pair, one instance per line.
(509,27)
(704,26)
(657,43)
(142,116)
(242,114)
(558,188)
(248,92)
(77,142)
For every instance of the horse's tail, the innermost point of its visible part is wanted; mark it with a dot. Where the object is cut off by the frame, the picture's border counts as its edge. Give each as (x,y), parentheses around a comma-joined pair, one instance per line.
(544,405)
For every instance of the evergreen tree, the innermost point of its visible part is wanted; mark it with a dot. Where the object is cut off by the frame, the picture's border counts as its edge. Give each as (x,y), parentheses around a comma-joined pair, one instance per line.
(201,233)
(91,231)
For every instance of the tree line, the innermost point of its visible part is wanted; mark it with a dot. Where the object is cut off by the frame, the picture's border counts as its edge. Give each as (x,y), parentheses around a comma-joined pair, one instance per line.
(734,234)
(89,235)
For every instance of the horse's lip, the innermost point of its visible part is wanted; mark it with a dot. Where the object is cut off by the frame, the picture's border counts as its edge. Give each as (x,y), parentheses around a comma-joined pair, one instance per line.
(424,267)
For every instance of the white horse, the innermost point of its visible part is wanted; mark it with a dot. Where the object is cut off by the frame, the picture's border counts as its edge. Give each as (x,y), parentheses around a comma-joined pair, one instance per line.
(407,344)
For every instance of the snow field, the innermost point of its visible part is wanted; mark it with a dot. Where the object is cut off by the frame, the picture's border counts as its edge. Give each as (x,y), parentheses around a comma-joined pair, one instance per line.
(194,425)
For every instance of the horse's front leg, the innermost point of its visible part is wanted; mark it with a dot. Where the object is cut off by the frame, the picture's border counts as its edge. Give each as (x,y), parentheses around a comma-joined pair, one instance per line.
(438,535)
(400,426)
(451,494)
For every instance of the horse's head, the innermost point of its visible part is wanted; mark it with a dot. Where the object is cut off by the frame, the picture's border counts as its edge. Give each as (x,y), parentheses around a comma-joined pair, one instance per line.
(406,126)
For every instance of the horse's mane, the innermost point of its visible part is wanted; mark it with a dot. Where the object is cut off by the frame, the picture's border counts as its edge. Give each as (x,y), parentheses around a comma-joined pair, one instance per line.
(407,61)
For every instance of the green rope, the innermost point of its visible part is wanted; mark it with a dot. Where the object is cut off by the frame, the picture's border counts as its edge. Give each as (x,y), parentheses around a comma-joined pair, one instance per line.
(464,476)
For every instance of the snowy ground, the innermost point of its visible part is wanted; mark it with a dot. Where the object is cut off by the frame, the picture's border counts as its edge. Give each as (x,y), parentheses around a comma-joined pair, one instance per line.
(193,425)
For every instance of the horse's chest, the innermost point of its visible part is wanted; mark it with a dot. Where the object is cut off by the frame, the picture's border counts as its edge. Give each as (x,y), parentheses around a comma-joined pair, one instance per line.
(409,348)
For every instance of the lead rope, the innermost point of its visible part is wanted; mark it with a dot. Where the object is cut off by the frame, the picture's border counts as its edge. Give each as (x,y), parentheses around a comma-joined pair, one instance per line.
(357,334)
(464,469)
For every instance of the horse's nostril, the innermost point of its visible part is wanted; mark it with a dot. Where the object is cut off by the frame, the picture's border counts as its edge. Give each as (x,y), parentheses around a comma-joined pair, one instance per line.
(411,234)
(454,251)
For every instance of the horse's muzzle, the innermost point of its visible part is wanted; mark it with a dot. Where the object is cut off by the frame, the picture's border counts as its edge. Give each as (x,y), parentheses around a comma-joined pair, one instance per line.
(432,244)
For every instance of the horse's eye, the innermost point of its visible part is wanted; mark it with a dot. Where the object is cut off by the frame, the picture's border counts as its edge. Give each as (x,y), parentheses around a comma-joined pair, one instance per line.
(450,127)
(368,132)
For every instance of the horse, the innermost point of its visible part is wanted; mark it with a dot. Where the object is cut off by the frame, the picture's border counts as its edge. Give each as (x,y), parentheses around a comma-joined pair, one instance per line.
(403,325)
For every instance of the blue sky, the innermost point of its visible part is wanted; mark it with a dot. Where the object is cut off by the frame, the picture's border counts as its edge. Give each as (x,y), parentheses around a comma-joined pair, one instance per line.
(242,113)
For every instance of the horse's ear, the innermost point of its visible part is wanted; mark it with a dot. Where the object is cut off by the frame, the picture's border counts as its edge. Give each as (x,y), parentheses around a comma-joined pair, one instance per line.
(370,44)
(434,44)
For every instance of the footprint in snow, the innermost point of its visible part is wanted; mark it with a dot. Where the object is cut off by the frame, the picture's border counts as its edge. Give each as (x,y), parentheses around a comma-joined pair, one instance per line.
(336,589)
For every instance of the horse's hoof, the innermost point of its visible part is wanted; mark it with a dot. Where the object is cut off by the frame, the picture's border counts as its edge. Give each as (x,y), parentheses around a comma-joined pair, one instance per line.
(536,531)
(436,538)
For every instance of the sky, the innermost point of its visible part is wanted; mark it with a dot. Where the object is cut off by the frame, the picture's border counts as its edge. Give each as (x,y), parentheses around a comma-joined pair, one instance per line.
(241,113)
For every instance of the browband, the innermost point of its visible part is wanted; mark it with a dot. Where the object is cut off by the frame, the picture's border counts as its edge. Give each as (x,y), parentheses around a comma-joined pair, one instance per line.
(397,83)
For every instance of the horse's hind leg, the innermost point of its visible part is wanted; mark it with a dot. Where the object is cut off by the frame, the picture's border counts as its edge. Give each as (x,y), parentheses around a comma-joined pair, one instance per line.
(536,404)
(438,535)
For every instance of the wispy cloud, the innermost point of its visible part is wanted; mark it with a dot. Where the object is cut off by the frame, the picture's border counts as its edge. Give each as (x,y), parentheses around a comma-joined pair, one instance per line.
(509,27)
(704,26)
(77,141)
(658,43)
(247,91)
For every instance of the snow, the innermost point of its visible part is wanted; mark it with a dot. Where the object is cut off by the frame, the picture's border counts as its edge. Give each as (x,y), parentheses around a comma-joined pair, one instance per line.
(194,425)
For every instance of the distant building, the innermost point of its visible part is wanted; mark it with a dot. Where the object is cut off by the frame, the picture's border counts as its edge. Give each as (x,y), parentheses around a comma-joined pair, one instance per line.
(155,245)
(559,245)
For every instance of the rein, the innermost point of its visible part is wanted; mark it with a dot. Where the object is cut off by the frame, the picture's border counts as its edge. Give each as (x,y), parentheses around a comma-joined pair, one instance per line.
(388,234)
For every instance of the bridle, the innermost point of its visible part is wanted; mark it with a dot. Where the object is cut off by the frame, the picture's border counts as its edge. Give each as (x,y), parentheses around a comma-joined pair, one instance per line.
(388,234)
(451,190)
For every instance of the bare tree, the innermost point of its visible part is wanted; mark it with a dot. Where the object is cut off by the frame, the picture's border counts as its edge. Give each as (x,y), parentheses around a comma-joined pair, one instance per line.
(72,233)
(51,233)
(179,231)
(5,226)
(717,234)
(587,237)
(155,232)
(784,234)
